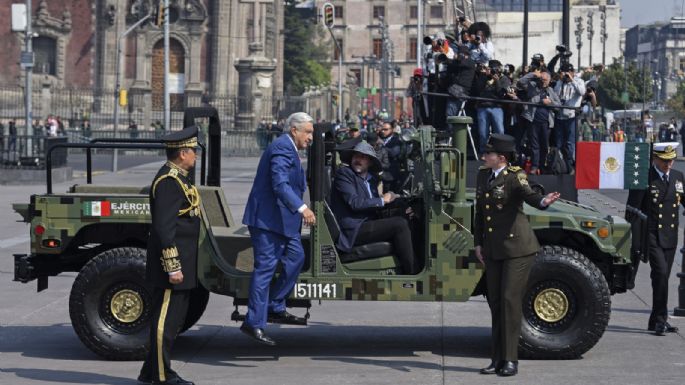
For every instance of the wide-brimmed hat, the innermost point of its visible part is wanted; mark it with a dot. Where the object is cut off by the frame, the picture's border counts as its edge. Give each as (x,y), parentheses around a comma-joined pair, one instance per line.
(365,149)
(665,151)
(500,143)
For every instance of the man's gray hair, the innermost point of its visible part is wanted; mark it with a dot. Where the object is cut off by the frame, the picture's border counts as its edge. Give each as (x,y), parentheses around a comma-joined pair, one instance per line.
(297,120)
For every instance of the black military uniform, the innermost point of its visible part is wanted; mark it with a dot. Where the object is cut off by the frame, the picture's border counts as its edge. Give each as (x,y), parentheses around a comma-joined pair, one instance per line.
(172,247)
(659,202)
(509,247)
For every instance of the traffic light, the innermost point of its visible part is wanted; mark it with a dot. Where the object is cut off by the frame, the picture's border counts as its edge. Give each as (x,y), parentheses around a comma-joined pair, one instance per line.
(159,16)
(328,15)
(123,98)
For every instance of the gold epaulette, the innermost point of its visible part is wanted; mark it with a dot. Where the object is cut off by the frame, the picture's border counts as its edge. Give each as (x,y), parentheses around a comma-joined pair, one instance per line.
(170,261)
(483,168)
(514,168)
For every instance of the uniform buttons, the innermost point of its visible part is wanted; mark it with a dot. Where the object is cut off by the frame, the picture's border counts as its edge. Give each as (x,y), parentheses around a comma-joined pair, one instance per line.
(490,229)
(660,215)
(661,205)
(511,235)
(488,218)
(672,225)
(487,195)
(660,226)
(674,205)
(673,215)
(487,206)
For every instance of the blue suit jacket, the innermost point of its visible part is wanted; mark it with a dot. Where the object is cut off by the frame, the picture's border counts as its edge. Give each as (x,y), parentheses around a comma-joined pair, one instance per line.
(277,190)
(351,204)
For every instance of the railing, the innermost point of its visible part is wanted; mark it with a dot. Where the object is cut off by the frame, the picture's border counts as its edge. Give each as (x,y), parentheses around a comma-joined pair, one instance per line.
(29,151)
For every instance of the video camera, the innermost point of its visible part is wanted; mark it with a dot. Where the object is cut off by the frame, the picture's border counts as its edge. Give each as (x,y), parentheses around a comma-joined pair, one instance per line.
(564,53)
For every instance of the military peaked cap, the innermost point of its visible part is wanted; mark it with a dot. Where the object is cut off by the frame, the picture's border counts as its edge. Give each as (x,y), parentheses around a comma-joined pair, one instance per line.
(500,143)
(186,138)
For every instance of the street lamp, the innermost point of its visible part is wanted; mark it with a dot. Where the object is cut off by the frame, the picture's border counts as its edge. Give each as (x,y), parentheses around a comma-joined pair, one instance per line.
(579,35)
(590,34)
(603,31)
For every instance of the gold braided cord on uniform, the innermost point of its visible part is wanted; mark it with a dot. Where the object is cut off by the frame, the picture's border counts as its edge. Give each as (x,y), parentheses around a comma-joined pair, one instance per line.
(191,193)
(160,334)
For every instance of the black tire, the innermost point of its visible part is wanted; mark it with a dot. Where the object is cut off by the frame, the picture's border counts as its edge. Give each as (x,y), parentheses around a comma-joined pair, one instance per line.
(199,297)
(113,274)
(563,276)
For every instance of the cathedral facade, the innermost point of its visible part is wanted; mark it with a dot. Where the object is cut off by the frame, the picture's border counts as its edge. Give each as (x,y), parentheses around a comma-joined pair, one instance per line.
(75,44)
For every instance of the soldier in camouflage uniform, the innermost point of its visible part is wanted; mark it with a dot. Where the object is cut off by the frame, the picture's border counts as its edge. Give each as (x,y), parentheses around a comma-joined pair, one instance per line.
(660,201)
(171,253)
(506,244)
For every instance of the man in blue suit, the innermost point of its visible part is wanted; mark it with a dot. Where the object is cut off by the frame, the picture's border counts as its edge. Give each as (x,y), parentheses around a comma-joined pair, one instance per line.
(356,203)
(274,215)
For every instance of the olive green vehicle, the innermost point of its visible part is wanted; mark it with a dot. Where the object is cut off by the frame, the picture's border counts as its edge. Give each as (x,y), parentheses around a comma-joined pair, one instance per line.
(100,232)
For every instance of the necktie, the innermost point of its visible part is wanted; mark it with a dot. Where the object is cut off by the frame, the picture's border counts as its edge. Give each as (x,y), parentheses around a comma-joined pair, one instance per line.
(492,178)
(665,178)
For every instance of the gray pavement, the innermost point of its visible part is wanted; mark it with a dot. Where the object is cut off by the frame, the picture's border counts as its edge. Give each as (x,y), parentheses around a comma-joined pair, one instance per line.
(345,343)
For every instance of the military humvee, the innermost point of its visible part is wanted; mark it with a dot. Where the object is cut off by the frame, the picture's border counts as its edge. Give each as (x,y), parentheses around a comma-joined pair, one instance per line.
(101,233)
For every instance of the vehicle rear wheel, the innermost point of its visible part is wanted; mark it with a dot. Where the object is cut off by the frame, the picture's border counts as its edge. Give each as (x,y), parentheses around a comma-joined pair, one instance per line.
(199,297)
(566,307)
(110,304)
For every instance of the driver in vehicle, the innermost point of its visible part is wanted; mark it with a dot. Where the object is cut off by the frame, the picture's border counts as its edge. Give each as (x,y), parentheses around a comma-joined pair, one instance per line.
(356,204)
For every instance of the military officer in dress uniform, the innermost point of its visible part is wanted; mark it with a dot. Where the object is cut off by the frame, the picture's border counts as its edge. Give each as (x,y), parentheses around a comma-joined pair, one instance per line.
(171,253)
(659,202)
(506,244)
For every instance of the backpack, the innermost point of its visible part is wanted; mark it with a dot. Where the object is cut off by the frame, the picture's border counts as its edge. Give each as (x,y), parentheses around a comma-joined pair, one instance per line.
(555,163)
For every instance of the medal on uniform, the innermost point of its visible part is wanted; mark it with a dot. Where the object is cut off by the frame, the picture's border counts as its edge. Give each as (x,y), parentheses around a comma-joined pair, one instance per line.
(679,186)
(499,192)
(499,206)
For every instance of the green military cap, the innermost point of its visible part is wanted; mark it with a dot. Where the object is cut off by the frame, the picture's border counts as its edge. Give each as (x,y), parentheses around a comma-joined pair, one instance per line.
(665,151)
(186,138)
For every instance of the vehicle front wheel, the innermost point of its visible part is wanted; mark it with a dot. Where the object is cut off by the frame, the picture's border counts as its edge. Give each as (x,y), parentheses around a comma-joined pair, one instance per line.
(566,307)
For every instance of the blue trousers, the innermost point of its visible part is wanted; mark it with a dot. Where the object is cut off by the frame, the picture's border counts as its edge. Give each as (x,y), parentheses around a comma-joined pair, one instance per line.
(565,135)
(490,120)
(269,249)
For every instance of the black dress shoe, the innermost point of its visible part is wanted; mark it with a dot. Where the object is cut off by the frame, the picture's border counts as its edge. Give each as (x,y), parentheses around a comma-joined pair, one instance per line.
(493,368)
(284,317)
(509,368)
(174,381)
(660,329)
(257,334)
(669,328)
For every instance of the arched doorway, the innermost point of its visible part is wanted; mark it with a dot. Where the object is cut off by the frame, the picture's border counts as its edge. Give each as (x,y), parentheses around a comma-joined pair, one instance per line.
(176,75)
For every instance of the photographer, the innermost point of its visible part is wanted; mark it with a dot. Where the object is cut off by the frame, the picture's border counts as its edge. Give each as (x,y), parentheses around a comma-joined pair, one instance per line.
(541,118)
(537,62)
(419,103)
(492,84)
(460,74)
(570,90)
(480,45)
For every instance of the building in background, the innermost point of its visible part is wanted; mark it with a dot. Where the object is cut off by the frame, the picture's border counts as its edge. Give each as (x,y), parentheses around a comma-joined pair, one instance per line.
(661,48)
(75,48)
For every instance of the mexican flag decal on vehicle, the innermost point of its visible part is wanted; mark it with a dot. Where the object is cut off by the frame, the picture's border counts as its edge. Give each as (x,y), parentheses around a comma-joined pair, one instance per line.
(96,209)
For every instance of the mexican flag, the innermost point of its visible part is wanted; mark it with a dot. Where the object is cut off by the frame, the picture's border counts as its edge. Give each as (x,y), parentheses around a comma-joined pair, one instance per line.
(96,209)
(618,165)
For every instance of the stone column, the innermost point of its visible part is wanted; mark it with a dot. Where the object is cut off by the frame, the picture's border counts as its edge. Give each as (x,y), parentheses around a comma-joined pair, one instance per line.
(255,82)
